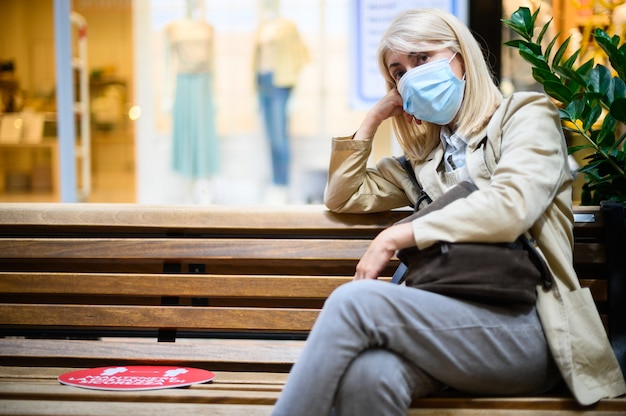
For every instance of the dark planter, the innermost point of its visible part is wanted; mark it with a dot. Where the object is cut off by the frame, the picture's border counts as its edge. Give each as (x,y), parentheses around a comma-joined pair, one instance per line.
(615,236)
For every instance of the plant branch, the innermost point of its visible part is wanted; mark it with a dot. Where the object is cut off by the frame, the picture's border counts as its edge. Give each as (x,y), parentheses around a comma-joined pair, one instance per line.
(599,150)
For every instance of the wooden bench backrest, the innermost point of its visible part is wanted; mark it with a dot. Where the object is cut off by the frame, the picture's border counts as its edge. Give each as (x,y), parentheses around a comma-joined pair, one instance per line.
(111,267)
(102,268)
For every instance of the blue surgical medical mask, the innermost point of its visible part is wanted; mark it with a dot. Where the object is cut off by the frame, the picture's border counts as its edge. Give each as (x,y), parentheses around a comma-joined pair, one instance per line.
(431,92)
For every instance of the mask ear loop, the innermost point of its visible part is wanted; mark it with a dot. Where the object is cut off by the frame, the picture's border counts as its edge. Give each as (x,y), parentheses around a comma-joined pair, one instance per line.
(450,60)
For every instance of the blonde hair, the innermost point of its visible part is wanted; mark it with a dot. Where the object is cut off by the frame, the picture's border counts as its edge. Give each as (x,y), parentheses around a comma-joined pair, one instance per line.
(421,30)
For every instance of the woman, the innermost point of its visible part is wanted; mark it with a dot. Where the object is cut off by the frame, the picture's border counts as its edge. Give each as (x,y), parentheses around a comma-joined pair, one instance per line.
(376,346)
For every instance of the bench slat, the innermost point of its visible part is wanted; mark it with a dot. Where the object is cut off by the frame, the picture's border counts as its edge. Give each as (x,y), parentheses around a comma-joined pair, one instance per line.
(242,401)
(590,253)
(11,374)
(80,408)
(211,354)
(201,393)
(297,220)
(221,220)
(198,285)
(54,408)
(204,285)
(155,317)
(214,249)
(239,388)
(598,288)
(206,393)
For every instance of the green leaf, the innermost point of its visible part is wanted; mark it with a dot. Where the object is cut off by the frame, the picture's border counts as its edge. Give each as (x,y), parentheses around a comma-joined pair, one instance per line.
(619,91)
(591,116)
(572,59)
(618,109)
(614,90)
(585,69)
(570,74)
(594,134)
(544,75)
(521,32)
(536,50)
(565,116)
(522,23)
(575,110)
(574,149)
(560,52)
(619,88)
(558,91)
(533,57)
(617,57)
(600,79)
(606,137)
(592,97)
(592,167)
(544,29)
(550,46)
(515,43)
(585,195)
(531,23)
(615,149)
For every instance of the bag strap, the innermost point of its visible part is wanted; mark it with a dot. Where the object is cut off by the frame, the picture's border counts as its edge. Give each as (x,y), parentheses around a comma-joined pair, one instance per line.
(531,246)
(423,196)
(400,273)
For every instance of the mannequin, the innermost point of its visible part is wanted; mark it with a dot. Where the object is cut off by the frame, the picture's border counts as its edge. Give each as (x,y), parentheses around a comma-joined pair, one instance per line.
(195,152)
(278,59)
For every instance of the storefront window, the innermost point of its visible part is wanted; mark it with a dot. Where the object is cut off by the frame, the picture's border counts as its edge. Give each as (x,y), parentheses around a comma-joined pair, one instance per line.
(236,165)
(140,55)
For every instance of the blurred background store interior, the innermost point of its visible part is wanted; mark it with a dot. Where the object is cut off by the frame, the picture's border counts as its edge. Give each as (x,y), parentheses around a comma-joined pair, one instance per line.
(123,135)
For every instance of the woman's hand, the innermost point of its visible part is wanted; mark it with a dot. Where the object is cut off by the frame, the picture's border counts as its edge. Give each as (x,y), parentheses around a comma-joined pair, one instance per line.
(388,106)
(382,249)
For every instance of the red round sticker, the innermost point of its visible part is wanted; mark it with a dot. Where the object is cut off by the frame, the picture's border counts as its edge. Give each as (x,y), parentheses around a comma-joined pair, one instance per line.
(136,377)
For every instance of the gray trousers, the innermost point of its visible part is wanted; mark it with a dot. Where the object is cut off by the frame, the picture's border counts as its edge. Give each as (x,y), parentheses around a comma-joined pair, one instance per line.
(376,346)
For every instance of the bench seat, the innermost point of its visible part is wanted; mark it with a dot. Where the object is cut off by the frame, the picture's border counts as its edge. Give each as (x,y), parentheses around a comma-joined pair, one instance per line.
(27,391)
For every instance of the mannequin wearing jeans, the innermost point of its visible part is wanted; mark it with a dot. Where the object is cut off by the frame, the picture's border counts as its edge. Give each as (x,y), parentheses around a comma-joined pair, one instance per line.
(273,100)
(409,343)
(279,57)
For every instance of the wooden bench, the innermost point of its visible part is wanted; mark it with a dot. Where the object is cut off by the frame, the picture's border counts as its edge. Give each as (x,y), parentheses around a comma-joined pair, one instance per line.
(231,290)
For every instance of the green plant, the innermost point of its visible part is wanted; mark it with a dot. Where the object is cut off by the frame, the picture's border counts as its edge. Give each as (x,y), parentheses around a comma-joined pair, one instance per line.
(591,101)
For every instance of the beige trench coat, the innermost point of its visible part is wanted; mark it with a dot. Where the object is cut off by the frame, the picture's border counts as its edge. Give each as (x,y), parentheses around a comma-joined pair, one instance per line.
(524,184)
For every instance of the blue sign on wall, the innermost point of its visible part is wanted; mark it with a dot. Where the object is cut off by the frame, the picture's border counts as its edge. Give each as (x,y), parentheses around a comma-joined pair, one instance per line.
(371,18)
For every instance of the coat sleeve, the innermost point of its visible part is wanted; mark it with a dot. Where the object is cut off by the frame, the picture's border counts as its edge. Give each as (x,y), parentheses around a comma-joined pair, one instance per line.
(354,187)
